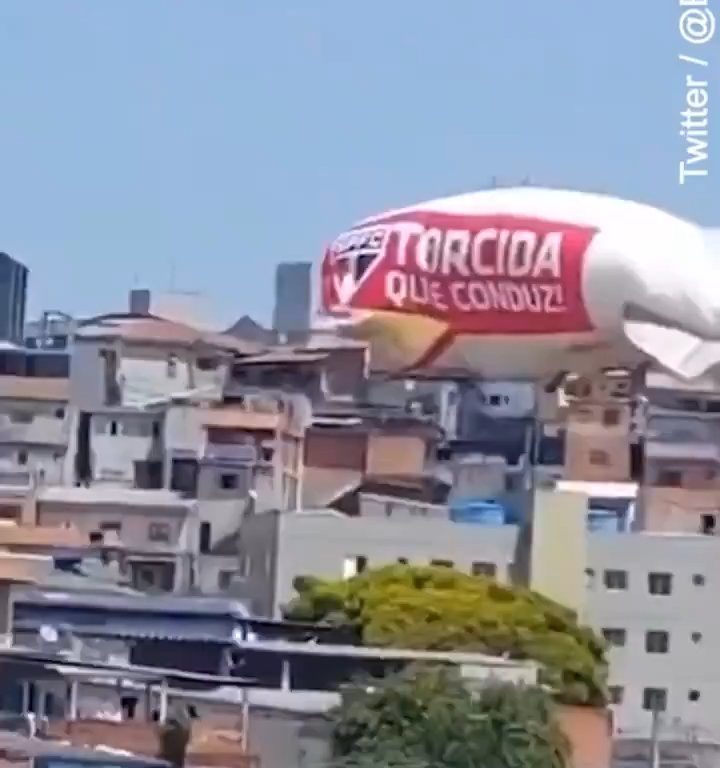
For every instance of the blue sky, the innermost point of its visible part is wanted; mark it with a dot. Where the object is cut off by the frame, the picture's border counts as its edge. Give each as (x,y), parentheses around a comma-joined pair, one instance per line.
(224,136)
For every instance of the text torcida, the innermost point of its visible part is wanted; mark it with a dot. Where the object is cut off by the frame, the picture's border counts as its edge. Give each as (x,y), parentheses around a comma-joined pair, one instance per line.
(460,271)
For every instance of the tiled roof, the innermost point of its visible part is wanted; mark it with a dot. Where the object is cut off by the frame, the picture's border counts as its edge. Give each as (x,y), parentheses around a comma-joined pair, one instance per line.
(150,329)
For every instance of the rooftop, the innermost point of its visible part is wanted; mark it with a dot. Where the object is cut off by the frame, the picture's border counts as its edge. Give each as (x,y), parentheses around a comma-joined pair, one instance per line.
(34,388)
(14,535)
(288,356)
(240,418)
(112,494)
(151,329)
(157,604)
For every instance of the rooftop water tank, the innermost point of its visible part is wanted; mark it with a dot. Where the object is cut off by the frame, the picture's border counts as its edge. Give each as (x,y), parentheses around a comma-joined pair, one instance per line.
(478,511)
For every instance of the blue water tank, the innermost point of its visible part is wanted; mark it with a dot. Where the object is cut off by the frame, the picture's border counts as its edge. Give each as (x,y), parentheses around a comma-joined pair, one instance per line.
(603,520)
(478,511)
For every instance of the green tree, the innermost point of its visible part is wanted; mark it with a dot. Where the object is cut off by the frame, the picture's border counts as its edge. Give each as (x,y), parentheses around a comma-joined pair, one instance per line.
(437,608)
(426,718)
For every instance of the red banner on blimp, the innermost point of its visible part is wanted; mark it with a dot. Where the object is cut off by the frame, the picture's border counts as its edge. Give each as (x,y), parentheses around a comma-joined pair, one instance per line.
(490,274)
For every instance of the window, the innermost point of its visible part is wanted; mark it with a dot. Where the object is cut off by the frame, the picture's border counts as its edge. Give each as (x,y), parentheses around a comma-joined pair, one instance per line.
(205,537)
(171,367)
(669,478)
(611,417)
(698,580)
(207,364)
(21,417)
(694,695)
(113,427)
(442,563)
(155,429)
(599,458)
(590,578)
(111,525)
(696,637)
(354,565)
(22,458)
(495,400)
(616,580)
(657,641)
(59,413)
(660,583)
(159,532)
(617,694)
(654,699)
(228,482)
(707,525)
(224,579)
(616,637)
(484,569)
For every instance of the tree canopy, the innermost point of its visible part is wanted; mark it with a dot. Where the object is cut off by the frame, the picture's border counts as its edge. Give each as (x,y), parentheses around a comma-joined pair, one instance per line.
(438,608)
(426,718)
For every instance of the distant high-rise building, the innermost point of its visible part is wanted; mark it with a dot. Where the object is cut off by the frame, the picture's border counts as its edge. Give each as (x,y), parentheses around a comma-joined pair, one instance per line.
(293,298)
(13,294)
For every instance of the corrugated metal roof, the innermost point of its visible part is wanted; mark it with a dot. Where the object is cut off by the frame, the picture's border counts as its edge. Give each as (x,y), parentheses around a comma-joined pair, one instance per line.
(160,604)
(176,630)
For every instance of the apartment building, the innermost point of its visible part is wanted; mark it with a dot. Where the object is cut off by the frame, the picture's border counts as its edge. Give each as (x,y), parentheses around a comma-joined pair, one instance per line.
(646,592)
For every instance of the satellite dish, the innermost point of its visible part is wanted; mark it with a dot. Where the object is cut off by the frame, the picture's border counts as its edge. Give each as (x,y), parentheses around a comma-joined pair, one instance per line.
(48,633)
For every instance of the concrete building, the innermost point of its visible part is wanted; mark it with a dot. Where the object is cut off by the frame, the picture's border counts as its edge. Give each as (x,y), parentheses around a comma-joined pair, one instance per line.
(13,297)
(599,428)
(324,372)
(53,330)
(159,530)
(343,447)
(646,592)
(34,427)
(681,484)
(293,299)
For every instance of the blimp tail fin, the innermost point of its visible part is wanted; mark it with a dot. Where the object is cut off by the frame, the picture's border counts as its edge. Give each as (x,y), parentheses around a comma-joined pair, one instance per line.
(681,353)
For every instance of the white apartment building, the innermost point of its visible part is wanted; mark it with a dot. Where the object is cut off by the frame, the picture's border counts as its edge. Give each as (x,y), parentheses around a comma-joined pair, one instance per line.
(648,593)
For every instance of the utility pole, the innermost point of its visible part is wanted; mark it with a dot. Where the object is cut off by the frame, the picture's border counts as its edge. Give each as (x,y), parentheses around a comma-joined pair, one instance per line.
(655,740)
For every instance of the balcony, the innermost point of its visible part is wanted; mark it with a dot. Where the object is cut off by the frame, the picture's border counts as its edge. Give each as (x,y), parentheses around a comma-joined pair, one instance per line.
(237,454)
(40,430)
(682,451)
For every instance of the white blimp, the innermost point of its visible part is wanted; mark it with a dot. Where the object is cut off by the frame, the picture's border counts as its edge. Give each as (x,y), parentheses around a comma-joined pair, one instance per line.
(524,283)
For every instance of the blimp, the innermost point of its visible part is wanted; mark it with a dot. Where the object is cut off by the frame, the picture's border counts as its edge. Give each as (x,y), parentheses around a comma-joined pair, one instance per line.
(526,283)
